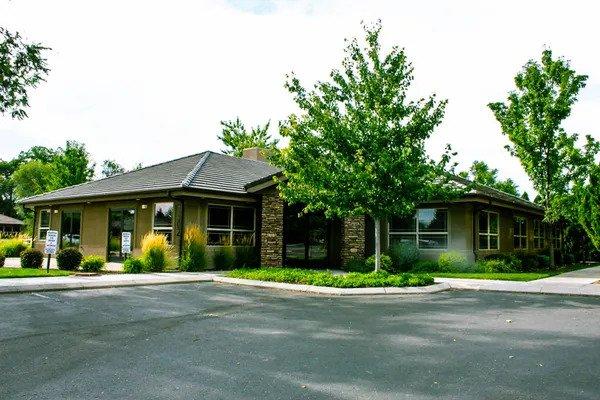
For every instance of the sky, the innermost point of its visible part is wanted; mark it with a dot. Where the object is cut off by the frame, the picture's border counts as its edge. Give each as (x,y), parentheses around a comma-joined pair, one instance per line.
(148,81)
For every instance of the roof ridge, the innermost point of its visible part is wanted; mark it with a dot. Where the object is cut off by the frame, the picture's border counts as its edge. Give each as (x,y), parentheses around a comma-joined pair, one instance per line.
(493,189)
(192,174)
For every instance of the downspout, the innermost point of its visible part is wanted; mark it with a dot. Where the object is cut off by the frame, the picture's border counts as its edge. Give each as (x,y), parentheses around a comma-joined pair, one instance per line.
(33,229)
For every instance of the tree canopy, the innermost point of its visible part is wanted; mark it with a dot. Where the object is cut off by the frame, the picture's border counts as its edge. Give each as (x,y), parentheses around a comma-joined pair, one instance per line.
(587,203)
(111,167)
(358,145)
(481,173)
(532,119)
(22,66)
(236,137)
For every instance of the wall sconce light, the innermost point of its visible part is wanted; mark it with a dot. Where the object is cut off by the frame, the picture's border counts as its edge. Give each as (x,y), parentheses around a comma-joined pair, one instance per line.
(55,211)
(144,206)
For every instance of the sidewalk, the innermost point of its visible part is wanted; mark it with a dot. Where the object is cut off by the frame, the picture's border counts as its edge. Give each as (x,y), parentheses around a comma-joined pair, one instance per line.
(16,263)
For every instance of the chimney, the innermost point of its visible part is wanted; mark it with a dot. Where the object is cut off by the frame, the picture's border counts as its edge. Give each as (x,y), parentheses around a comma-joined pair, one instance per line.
(255,153)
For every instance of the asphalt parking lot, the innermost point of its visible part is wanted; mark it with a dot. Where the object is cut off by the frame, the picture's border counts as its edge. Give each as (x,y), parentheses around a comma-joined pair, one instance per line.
(210,341)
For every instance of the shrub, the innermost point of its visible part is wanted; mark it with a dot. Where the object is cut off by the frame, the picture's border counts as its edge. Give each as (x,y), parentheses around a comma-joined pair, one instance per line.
(193,257)
(357,265)
(246,257)
(386,262)
(511,259)
(543,261)
(69,259)
(2,258)
(92,264)
(452,261)
(31,258)
(495,266)
(223,258)
(12,247)
(133,266)
(155,252)
(404,256)
(426,266)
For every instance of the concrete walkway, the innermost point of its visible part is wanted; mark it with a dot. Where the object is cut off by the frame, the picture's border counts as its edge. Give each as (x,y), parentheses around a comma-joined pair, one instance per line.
(16,263)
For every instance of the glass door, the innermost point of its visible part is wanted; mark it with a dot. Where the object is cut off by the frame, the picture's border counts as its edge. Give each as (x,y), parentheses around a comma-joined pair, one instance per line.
(305,238)
(119,221)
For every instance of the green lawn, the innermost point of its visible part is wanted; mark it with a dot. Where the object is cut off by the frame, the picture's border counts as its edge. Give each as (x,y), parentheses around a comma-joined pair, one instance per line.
(500,276)
(326,278)
(29,272)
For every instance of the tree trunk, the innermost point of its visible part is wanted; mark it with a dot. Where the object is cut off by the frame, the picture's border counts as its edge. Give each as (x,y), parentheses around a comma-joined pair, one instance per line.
(377,244)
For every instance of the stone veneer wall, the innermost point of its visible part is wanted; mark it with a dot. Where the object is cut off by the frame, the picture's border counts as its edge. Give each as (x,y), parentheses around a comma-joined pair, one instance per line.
(353,239)
(271,233)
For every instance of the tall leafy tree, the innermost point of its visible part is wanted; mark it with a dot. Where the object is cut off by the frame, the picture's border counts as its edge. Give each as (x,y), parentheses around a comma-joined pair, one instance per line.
(532,119)
(358,145)
(481,173)
(73,165)
(111,167)
(34,177)
(587,205)
(22,66)
(236,137)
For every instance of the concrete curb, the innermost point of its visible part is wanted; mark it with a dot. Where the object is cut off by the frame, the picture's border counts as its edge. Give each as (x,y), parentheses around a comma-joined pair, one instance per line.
(376,291)
(535,287)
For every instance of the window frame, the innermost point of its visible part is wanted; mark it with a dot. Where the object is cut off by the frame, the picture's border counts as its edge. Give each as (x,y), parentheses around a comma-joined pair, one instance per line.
(521,235)
(539,239)
(162,229)
(488,234)
(62,233)
(45,228)
(231,230)
(417,232)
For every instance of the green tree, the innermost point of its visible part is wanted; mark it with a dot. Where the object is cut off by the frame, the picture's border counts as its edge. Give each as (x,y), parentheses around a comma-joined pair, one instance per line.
(587,205)
(236,137)
(481,173)
(532,117)
(358,145)
(73,165)
(22,66)
(111,167)
(34,177)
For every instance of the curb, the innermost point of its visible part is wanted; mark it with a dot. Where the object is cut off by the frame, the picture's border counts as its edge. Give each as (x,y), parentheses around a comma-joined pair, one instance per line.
(376,291)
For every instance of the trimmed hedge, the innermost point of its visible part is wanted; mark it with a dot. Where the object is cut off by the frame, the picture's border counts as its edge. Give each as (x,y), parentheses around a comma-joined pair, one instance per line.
(32,258)
(69,259)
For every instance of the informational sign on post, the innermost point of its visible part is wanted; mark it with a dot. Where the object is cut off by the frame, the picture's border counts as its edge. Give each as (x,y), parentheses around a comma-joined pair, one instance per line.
(126,242)
(50,246)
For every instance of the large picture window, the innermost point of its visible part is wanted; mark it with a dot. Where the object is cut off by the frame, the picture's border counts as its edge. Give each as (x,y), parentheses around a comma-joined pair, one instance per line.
(538,234)
(427,229)
(488,230)
(520,233)
(44,224)
(70,229)
(230,225)
(162,221)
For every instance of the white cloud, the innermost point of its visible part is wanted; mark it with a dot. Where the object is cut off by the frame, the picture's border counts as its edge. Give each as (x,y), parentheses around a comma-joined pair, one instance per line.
(150,81)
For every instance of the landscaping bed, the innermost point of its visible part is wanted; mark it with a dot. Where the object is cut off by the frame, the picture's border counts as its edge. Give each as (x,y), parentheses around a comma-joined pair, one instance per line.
(326,278)
(7,272)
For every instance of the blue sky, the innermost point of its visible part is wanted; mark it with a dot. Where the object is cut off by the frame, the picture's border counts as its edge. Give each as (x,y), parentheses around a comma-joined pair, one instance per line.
(165,73)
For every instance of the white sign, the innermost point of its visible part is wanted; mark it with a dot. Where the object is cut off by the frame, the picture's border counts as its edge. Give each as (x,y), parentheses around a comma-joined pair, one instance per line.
(126,242)
(51,242)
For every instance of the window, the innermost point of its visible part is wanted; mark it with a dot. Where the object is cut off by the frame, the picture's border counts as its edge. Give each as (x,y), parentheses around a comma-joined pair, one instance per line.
(520,233)
(427,229)
(557,237)
(70,229)
(538,234)
(44,224)
(163,220)
(488,230)
(230,225)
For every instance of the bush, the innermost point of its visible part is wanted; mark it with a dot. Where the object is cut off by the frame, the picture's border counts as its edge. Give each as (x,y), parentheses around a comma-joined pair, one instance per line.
(133,266)
(326,278)
(12,247)
(357,265)
(193,257)
(2,258)
(69,259)
(543,261)
(223,258)
(31,258)
(155,252)
(386,263)
(92,264)
(246,257)
(511,259)
(404,256)
(494,266)
(426,266)
(452,261)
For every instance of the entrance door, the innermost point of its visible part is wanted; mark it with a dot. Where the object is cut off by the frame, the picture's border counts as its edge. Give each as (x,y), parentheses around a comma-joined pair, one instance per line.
(119,221)
(306,238)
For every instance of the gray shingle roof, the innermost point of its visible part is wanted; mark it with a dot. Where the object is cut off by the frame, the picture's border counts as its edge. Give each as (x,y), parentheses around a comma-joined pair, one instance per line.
(482,190)
(6,220)
(203,171)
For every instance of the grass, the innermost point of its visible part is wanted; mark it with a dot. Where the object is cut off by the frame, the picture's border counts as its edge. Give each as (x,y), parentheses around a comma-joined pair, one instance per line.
(326,278)
(29,272)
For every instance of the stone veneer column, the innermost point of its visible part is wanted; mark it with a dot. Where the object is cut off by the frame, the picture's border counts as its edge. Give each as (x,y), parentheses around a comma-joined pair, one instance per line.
(271,232)
(353,239)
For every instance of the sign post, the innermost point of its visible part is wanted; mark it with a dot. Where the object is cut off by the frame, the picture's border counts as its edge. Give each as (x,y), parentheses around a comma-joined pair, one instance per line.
(126,243)
(50,246)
